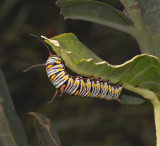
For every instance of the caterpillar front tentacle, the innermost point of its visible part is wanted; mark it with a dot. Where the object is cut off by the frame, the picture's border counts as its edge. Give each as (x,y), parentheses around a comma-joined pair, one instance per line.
(33,66)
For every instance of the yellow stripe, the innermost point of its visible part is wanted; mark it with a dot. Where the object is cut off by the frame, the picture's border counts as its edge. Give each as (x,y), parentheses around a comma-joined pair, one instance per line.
(111,98)
(60,69)
(88,94)
(58,62)
(89,85)
(106,88)
(59,65)
(52,77)
(113,91)
(104,96)
(98,95)
(62,73)
(58,58)
(117,92)
(110,89)
(71,80)
(76,92)
(76,83)
(66,78)
(83,84)
(49,66)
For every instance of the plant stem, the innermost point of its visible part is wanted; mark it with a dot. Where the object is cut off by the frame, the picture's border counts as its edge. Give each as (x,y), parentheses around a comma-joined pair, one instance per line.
(156,106)
(140,33)
(144,41)
(155,100)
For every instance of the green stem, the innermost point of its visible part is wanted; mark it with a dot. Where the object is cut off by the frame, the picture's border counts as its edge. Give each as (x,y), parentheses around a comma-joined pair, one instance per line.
(156,106)
(140,33)
(154,99)
(144,41)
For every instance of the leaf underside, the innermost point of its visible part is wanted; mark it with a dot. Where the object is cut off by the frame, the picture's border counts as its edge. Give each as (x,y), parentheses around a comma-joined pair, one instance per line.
(95,11)
(142,71)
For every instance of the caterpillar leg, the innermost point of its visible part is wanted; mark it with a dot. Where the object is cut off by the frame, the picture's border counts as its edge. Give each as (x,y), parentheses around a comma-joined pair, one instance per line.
(62,89)
(118,100)
(57,91)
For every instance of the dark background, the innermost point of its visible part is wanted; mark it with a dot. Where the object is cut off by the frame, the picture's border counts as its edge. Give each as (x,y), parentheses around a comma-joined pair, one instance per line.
(79,121)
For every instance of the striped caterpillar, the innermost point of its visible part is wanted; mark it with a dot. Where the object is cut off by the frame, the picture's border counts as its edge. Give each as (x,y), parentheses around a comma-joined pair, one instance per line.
(77,85)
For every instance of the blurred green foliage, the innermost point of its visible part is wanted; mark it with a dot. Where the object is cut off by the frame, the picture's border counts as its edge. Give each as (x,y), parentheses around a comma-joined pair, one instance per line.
(79,121)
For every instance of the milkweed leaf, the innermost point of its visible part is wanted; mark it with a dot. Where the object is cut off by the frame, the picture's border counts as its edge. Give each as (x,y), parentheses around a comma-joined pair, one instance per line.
(131,100)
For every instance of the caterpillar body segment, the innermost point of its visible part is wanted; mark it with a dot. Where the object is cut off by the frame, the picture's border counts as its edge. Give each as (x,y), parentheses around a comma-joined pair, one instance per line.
(77,85)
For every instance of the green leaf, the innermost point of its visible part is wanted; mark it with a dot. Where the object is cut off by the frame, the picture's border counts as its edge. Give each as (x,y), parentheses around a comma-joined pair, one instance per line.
(131,100)
(45,130)
(150,14)
(95,11)
(11,129)
(140,74)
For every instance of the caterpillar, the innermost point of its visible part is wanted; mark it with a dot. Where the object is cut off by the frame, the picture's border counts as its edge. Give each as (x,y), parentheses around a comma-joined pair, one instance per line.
(77,85)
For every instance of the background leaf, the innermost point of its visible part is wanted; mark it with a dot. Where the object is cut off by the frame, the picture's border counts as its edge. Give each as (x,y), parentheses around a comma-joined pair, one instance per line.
(11,129)
(46,132)
(130,22)
(150,14)
(156,43)
(95,11)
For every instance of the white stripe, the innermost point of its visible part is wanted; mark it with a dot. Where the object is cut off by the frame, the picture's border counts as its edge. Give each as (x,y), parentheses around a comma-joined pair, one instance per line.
(109,96)
(104,91)
(87,90)
(59,66)
(62,81)
(74,87)
(93,89)
(68,87)
(58,77)
(82,89)
(51,72)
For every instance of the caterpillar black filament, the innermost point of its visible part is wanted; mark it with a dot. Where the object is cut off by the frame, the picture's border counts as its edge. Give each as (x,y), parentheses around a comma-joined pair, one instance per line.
(77,85)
